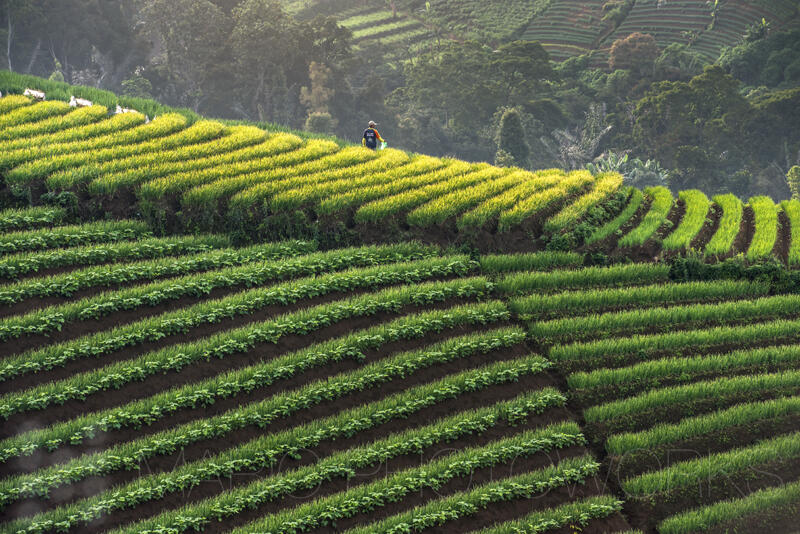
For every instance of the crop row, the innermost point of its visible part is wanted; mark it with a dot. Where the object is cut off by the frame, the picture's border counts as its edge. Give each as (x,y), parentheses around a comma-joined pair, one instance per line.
(54,317)
(605,185)
(148,410)
(792,210)
(159,140)
(661,204)
(590,277)
(587,301)
(30,218)
(765,214)
(730,224)
(51,125)
(127,456)
(27,114)
(529,261)
(69,236)
(266,451)
(697,206)
(121,132)
(613,226)
(11,102)
(460,464)
(23,263)
(64,285)
(658,318)
(302,322)
(462,505)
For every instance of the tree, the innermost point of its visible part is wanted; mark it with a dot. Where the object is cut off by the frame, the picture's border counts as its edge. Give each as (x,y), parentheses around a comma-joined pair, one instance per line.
(793,179)
(511,138)
(636,52)
(317,96)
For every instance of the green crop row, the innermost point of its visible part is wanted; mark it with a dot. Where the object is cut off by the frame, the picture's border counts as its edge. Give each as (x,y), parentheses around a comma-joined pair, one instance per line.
(533,205)
(439,512)
(206,146)
(51,125)
(617,275)
(683,316)
(394,205)
(129,455)
(766,503)
(530,261)
(120,134)
(643,346)
(741,415)
(177,357)
(163,139)
(30,218)
(142,411)
(64,285)
(792,210)
(70,236)
(587,301)
(421,167)
(613,226)
(655,217)
(605,185)
(450,205)
(620,382)
(728,464)
(730,224)
(452,170)
(697,206)
(265,451)
(490,209)
(765,213)
(54,317)
(673,396)
(328,510)
(575,515)
(89,136)
(15,265)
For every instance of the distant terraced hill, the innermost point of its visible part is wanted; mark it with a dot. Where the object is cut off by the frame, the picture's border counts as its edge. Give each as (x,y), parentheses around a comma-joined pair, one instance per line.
(565,27)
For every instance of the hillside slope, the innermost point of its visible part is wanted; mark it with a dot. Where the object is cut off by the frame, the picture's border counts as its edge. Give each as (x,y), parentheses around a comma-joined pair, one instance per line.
(207,176)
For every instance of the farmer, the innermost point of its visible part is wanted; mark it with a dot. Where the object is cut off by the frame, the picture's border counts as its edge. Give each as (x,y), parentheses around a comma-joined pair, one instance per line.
(371,137)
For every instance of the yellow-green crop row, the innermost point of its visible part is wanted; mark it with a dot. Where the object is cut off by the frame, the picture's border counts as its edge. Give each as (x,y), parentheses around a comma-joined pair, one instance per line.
(535,204)
(493,207)
(229,139)
(697,206)
(12,102)
(50,125)
(729,225)
(765,214)
(792,210)
(613,226)
(655,217)
(28,114)
(605,185)
(161,137)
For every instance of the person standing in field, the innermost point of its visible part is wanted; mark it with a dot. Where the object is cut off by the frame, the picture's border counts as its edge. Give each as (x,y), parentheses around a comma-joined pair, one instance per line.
(371,136)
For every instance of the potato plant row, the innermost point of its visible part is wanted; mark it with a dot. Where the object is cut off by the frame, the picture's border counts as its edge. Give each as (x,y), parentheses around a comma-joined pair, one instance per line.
(302,322)
(127,456)
(70,236)
(31,218)
(148,410)
(265,452)
(197,285)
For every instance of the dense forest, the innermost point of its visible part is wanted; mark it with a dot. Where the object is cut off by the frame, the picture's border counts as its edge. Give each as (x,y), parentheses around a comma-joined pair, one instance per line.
(658,114)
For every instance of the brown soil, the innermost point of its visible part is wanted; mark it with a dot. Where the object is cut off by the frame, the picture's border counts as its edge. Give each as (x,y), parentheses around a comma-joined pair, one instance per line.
(203,449)
(709,228)
(746,231)
(646,513)
(784,241)
(215,487)
(106,439)
(204,330)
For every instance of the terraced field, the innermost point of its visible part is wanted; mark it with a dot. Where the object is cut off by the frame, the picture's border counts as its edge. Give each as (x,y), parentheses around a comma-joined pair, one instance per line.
(182,384)
(208,177)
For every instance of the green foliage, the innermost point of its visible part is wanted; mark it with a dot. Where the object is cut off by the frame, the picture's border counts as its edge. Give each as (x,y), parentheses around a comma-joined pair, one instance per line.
(793,180)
